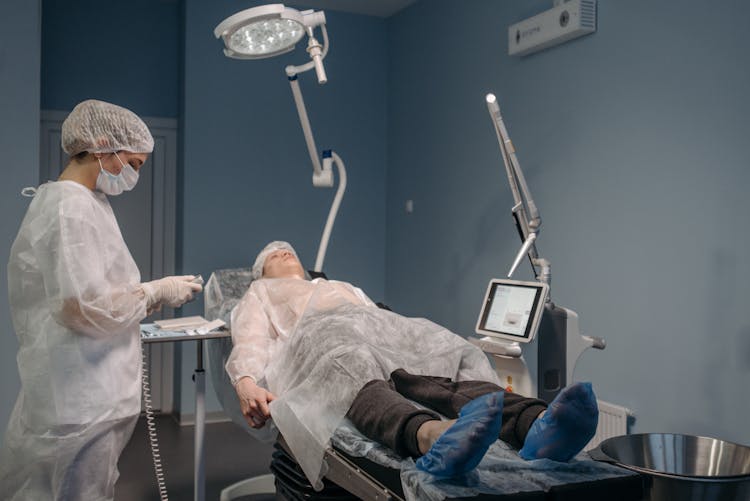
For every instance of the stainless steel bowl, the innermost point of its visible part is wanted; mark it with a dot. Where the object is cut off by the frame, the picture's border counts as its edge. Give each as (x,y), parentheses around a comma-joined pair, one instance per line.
(682,467)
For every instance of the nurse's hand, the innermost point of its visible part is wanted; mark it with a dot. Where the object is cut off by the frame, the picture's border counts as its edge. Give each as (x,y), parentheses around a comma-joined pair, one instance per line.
(254,402)
(171,291)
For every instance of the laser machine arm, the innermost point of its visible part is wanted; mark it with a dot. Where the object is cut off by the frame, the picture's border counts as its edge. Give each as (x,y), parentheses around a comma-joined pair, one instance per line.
(560,343)
(524,209)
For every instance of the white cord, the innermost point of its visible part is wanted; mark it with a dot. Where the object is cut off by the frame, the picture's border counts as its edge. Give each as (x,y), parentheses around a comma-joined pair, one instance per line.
(151,425)
(332,213)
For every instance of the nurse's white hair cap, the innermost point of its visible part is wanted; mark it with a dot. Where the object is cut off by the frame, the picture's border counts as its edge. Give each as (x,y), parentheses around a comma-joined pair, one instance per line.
(100,127)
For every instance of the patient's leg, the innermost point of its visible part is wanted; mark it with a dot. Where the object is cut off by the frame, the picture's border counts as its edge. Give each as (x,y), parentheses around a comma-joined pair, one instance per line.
(448,397)
(383,415)
(430,431)
(566,426)
(447,448)
(461,447)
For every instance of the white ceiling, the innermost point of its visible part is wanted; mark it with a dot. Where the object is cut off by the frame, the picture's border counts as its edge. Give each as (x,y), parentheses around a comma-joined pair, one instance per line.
(379,8)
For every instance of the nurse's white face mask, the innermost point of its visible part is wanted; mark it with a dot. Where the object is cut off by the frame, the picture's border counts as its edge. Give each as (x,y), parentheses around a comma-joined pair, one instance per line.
(114,184)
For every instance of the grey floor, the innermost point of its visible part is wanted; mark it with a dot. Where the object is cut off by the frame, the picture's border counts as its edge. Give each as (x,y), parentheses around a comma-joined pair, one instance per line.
(230,455)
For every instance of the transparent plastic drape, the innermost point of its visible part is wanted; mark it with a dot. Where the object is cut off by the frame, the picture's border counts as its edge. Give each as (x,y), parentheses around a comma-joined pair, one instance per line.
(335,349)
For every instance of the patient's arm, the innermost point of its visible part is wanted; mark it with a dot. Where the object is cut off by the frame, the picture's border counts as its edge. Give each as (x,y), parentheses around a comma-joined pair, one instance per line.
(252,337)
(254,402)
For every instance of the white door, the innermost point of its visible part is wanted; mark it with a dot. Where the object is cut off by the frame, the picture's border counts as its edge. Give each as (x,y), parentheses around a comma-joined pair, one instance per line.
(147,220)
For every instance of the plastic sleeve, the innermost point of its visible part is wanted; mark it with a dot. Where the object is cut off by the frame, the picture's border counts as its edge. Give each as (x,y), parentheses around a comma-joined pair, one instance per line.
(361,294)
(252,336)
(87,283)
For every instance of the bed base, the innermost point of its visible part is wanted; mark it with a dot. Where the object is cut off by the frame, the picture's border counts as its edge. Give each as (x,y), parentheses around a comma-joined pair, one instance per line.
(352,478)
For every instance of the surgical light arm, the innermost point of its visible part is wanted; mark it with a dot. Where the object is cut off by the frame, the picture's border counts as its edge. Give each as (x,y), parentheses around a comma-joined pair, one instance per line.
(317,54)
(524,210)
(322,172)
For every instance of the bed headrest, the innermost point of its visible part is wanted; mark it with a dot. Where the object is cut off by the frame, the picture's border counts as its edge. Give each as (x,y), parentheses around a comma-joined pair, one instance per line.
(223,291)
(225,288)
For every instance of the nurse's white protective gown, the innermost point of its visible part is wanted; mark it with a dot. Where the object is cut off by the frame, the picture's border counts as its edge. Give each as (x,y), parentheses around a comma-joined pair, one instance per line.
(314,344)
(76,304)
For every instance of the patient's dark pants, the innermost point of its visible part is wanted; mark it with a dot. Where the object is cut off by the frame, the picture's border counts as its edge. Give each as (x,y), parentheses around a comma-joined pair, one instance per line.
(382,410)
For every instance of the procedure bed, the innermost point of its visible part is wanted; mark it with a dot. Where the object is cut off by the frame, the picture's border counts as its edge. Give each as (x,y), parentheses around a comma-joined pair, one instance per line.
(362,469)
(358,468)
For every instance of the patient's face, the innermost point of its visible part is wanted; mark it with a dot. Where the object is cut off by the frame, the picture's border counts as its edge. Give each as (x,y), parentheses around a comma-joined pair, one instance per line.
(283,264)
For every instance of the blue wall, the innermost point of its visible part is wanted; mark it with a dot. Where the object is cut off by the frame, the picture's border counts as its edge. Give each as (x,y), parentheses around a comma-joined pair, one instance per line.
(633,141)
(247,174)
(20,34)
(123,51)
(240,133)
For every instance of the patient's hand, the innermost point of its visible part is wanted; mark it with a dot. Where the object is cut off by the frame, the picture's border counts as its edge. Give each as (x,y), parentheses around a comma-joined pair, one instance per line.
(254,402)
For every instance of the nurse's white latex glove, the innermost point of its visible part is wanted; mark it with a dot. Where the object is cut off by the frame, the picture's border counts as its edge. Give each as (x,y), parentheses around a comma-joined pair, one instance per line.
(170,291)
(254,402)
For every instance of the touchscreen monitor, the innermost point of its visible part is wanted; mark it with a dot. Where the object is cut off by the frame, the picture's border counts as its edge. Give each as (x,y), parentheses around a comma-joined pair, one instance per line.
(512,309)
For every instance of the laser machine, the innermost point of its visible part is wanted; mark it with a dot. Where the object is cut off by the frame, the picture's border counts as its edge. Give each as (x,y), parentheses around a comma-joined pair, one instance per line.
(514,311)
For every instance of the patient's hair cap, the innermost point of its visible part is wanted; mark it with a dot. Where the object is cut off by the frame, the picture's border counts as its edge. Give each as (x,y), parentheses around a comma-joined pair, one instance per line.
(267,250)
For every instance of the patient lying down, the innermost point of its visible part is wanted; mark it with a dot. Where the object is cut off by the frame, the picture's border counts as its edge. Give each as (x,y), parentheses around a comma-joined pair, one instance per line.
(310,353)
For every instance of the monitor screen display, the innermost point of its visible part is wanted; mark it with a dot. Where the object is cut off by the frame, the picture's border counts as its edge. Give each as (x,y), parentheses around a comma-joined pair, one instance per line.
(512,309)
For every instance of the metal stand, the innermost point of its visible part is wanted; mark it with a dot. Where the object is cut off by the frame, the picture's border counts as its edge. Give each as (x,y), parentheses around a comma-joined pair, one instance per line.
(199,474)
(263,484)
(199,376)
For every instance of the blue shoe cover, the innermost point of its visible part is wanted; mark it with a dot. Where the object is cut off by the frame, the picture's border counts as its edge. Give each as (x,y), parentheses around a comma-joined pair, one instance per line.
(566,427)
(462,446)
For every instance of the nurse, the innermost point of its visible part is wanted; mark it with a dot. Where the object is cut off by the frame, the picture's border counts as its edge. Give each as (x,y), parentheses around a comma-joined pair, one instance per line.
(76,300)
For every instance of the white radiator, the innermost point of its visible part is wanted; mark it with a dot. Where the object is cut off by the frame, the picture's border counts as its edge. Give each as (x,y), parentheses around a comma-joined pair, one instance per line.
(613,422)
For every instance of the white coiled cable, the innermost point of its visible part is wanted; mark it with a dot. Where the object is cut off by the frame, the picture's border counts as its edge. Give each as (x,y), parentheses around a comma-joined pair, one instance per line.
(151,425)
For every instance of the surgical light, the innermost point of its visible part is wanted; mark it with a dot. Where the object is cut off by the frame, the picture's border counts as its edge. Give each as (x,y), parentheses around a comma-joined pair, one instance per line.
(265,38)
(271,30)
